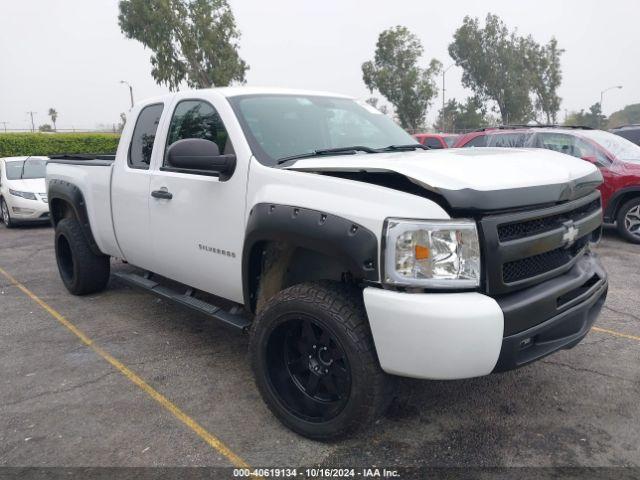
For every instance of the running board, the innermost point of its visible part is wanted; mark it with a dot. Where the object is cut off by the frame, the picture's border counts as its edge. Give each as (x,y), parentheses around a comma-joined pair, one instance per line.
(234,318)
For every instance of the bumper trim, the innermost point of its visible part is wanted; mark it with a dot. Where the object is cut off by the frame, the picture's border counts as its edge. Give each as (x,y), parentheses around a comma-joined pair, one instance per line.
(535,305)
(563,331)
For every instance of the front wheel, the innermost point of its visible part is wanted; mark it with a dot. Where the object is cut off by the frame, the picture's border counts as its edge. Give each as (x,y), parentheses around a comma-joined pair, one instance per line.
(81,270)
(628,220)
(314,360)
(6,216)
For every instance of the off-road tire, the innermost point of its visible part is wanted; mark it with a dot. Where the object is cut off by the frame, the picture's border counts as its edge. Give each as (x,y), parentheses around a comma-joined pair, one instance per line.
(81,270)
(620,220)
(340,310)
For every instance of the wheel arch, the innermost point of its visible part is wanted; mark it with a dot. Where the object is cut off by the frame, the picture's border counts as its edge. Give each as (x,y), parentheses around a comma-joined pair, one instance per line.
(66,200)
(618,199)
(283,241)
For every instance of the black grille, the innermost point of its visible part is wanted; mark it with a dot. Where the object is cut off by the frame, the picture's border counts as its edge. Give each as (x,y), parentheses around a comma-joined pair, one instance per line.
(527,228)
(538,264)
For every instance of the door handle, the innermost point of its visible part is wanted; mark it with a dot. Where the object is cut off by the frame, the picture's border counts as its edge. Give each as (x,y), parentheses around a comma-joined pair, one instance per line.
(162,194)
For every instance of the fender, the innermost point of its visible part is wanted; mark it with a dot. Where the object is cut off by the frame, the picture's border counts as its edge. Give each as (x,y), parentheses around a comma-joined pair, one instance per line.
(72,195)
(614,202)
(331,235)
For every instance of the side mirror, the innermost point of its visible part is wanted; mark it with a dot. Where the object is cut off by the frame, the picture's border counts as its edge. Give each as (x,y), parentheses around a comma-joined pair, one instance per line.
(197,155)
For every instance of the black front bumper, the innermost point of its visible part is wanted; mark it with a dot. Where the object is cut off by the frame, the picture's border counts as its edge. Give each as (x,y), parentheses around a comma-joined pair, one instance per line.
(553,315)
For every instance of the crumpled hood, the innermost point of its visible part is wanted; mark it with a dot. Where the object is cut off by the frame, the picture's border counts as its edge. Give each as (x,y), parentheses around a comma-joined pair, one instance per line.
(495,177)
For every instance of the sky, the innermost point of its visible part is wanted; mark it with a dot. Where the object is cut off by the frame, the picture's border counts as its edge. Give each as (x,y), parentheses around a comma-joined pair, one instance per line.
(71,55)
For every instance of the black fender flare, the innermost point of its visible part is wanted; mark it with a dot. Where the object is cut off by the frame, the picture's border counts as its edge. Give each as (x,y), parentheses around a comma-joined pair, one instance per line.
(72,195)
(614,202)
(325,233)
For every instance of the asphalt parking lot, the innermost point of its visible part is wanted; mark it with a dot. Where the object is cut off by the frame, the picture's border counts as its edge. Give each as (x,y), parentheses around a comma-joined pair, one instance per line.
(63,404)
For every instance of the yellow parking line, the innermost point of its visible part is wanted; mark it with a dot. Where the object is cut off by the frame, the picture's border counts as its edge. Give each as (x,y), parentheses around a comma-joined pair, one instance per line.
(616,334)
(133,377)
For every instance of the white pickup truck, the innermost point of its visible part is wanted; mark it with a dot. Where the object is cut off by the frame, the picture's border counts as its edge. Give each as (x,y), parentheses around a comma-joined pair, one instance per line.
(349,253)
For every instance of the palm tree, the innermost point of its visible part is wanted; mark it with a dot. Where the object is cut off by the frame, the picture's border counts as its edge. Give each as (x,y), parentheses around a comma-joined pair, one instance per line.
(54,116)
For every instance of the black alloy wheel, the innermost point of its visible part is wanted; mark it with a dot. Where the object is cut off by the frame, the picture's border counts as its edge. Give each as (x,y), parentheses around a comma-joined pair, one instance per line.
(308,368)
(314,360)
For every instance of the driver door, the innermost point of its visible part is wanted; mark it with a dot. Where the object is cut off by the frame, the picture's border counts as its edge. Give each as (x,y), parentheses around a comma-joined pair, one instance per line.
(197,224)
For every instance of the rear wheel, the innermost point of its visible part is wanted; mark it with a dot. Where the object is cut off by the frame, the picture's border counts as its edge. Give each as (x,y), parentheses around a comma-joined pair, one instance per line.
(6,216)
(81,270)
(314,361)
(628,220)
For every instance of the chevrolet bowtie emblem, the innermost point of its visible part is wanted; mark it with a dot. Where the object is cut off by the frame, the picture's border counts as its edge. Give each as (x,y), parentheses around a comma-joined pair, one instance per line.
(570,234)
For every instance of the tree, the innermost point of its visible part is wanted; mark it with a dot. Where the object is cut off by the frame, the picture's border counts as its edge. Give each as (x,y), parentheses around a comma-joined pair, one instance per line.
(395,73)
(507,68)
(54,116)
(462,117)
(195,41)
(593,118)
(546,77)
(123,121)
(45,128)
(627,116)
(375,103)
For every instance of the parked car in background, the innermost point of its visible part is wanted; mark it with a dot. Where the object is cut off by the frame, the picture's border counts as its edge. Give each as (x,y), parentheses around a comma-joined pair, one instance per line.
(23,195)
(630,132)
(437,140)
(617,158)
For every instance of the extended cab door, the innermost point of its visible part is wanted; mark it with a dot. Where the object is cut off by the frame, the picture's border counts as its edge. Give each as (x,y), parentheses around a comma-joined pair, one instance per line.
(130,186)
(197,230)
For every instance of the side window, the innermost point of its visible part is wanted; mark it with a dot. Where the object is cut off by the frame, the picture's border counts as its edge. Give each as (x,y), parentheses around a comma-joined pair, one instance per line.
(507,140)
(571,145)
(144,133)
(432,142)
(587,149)
(198,119)
(479,141)
(558,142)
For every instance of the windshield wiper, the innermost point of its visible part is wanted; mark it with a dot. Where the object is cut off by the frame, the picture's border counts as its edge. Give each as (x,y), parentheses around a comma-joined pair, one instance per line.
(329,151)
(24,162)
(404,148)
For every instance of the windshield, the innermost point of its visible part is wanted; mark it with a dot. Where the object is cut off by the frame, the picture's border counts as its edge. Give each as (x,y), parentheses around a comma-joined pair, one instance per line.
(25,169)
(619,147)
(280,126)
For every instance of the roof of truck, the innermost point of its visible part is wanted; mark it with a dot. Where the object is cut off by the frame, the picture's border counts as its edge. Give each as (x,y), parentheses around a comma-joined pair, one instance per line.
(238,91)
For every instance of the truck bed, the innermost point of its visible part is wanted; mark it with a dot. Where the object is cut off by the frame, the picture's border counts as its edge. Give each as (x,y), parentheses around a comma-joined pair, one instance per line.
(91,174)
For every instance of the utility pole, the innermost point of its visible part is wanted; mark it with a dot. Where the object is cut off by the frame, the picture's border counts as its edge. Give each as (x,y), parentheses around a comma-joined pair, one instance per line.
(33,125)
(130,90)
(442,120)
(4,124)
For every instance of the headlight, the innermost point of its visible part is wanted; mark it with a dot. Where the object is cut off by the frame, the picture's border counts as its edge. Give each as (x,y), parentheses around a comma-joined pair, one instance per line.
(432,254)
(27,195)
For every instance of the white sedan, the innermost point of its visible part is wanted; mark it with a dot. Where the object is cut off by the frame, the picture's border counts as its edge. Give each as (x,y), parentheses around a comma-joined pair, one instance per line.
(23,196)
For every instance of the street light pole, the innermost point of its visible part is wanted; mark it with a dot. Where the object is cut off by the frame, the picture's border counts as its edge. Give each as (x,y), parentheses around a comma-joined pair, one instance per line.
(130,90)
(444,72)
(602,98)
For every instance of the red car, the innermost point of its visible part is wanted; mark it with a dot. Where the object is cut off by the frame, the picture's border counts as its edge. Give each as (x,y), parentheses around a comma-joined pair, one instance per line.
(436,140)
(617,158)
